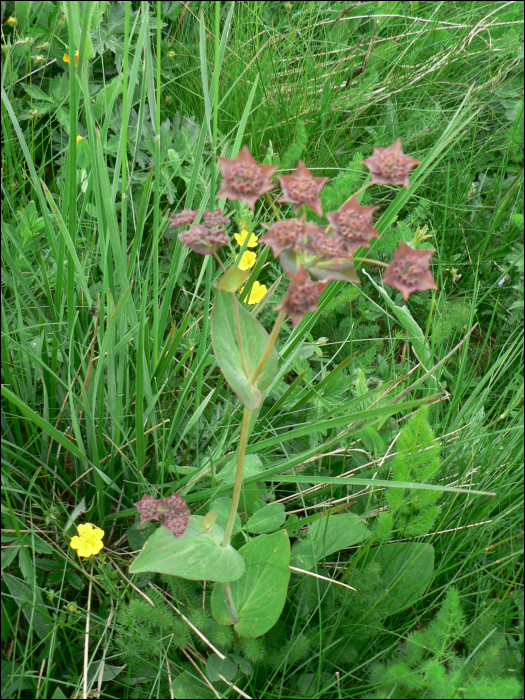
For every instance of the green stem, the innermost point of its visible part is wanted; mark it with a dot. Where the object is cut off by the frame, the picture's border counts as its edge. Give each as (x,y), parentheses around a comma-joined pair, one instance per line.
(356,194)
(370,261)
(269,347)
(215,104)
(156,198)
(239,334)
(360,554)
(229,602)
(124,213)
(219,262)
(274,208)
(241,451)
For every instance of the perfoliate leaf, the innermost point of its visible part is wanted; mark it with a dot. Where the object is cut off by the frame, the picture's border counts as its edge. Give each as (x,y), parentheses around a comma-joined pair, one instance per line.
(197,555)
(254,338)
(260,594)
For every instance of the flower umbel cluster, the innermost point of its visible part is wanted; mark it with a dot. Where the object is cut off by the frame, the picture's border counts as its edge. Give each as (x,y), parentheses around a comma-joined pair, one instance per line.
(205,238)
(308,252)
(172,512)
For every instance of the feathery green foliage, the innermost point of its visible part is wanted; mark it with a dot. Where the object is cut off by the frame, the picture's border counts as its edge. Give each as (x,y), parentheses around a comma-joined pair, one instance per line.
(429,664)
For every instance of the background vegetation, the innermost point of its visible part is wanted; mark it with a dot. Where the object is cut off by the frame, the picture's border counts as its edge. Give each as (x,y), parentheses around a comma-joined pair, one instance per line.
(110,389)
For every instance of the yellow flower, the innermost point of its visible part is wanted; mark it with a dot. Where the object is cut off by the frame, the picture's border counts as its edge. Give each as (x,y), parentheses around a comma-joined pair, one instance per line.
(247,260)
(79,138)
(241,237)
(257,293)
(66,58)
(89,541)
(11,21)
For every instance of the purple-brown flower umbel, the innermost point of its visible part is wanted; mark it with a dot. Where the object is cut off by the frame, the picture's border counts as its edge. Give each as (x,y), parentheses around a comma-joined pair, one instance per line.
(183,218)
(203,240)
(409,271)
(390,166)
(301,188)
(215,218)
(352,222)
(288,234)
(148,508)
(172,511)
(244,179)
(333,246)
(302,296)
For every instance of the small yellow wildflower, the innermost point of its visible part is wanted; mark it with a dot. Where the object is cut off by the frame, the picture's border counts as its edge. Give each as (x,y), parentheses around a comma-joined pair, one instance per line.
(89,540)
(241,237)
(66,58)
(79,138)
(11,21)
(247,260)
(257,293)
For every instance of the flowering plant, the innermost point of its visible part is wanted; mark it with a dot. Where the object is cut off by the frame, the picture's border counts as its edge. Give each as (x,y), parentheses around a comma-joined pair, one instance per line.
(312,256)
(88,541)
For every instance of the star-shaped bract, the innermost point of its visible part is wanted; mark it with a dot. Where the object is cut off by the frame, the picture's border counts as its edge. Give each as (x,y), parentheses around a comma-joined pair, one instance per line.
(409,271)
(352,222)
(244,179)
(302,296)
(390,166)
(302,189)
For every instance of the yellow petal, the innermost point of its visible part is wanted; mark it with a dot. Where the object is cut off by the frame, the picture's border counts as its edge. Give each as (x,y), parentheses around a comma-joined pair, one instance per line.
(85,529)
(65,58)
(257,293)
(247,261)
(98,533)
(87,549)
(241,237)
(80,138)
(75,542)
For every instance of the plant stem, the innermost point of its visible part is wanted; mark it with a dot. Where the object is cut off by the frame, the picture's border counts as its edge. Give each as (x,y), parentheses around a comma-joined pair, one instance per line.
(229,602)
(219,262)
(274,208)
(370,261)
(269,347)
(239,334)
(241,451)
(356,194)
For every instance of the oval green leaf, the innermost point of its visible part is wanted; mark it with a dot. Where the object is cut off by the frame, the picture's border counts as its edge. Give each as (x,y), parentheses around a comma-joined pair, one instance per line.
(268,519)
(408,568)
(260,594)
(197,555)
(326,536)
(232,279)
(227,352)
